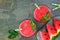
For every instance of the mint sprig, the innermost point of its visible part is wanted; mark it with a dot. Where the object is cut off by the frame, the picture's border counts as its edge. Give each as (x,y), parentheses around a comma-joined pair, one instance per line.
(12,34)
(45,17)
(57,6)
(33,25)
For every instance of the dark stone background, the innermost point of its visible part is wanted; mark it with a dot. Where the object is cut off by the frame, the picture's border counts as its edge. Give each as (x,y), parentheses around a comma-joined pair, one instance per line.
(21,9)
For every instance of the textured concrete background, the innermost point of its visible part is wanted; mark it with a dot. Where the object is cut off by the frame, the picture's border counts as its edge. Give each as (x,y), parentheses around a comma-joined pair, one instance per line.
(20,10)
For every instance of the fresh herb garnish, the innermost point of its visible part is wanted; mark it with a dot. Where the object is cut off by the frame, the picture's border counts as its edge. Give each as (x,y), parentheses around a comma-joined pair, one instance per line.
(45,17)
(12,33)
(57,6)
(33,25)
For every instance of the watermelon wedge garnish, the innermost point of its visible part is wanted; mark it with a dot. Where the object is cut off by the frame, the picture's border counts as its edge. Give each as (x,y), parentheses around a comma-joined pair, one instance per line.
(28,28)
(57,24)
(42,14)
(44,35)
(53,31)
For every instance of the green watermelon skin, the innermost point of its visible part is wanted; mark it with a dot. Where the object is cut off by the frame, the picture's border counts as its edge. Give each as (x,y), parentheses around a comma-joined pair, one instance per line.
(44,35)
(57,24)
(52,31)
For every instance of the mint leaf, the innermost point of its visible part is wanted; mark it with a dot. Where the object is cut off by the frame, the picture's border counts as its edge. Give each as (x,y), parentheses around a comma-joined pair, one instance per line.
(45,17)
(11,36)
(12,33)
(48,18)
(33,25)
(47,14)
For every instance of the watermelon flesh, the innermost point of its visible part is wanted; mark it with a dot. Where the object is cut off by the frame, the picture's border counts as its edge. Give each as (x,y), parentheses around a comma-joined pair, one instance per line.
(57,24)
(52,31)
(44,35)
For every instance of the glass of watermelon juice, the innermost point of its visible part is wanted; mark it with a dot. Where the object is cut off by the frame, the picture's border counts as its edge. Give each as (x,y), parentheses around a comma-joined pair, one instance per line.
(42,13)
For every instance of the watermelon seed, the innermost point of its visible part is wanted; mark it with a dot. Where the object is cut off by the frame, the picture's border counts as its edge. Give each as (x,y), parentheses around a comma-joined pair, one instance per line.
(59,24)
(44,34)
(54,29)
(51,29)
(46,38)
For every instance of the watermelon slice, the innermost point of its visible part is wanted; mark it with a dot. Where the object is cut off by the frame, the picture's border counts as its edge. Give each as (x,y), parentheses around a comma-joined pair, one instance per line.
(42,14)
(52,31)
(28,28)
(57,24)
(44,35)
